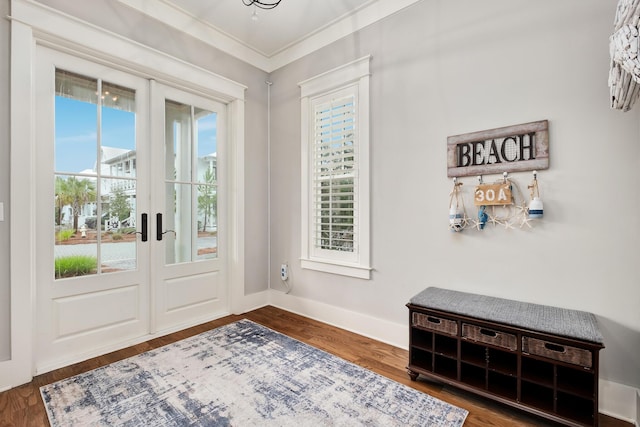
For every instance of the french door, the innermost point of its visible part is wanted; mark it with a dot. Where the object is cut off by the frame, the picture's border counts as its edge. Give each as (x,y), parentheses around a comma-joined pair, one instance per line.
(188,198)
(131,200)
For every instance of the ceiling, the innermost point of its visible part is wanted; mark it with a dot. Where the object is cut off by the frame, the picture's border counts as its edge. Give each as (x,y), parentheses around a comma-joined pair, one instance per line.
(278,36)
(275,29)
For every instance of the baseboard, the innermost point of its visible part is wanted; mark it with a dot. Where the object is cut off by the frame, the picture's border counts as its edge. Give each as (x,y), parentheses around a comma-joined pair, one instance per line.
(637,408)
(381,330)
(250,302)
(616,400)
(14,372)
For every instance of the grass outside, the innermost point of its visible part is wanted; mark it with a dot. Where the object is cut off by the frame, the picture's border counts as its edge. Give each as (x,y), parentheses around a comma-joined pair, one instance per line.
(76,265)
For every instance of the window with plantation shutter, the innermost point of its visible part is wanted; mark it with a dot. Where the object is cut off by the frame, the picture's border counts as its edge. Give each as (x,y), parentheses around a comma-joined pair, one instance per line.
(335,175)
(335,171)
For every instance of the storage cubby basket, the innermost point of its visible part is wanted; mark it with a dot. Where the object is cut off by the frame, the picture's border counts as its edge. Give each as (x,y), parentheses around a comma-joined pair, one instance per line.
(561,352)
(440,324)
(489,336)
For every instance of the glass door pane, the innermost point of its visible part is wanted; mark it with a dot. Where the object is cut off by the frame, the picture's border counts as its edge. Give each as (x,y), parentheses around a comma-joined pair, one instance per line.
(191,183)
(207,188)
(95,176)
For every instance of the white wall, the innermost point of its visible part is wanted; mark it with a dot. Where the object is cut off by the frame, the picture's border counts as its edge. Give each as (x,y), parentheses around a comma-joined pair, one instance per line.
(446,67)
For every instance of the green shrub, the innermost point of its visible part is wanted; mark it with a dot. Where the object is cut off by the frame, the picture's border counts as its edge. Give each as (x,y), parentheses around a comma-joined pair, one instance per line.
(64,235)
(77,265)
(116,236)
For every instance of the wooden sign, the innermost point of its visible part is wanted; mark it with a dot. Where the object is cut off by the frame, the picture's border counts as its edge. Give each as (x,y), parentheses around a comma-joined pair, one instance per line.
(493,195)
(522,147)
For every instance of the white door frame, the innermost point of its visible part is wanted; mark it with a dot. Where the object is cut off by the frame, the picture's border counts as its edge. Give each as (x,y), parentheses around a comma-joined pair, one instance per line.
(33,23)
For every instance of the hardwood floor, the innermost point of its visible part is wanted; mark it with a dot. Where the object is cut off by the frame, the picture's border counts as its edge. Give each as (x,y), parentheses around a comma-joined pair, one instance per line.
(22,406)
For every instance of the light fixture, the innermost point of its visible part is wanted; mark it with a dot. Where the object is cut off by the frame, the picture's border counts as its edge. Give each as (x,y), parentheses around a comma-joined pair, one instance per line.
(262,4)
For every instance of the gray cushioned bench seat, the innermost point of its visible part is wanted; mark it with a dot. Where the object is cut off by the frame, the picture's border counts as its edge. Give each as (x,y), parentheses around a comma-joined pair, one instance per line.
(542,318)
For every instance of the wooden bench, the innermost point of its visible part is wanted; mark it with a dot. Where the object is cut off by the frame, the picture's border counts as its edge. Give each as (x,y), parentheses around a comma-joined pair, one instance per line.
(538,358)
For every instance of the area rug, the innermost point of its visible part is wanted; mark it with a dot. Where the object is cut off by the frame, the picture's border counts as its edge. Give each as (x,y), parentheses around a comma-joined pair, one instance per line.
(241,374)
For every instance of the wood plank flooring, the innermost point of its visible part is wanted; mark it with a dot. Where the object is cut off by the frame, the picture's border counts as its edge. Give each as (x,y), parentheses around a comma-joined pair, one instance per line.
(22,406)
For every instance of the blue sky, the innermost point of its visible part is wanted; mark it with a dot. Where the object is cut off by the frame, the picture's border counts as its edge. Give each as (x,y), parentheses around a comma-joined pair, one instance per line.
(76,133)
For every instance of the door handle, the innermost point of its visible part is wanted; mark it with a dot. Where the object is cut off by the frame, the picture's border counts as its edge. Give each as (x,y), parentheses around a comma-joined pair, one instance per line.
(159,232)
(143,220)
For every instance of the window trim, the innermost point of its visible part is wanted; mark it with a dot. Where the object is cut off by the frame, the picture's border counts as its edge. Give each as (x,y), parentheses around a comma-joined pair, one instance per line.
(355,75)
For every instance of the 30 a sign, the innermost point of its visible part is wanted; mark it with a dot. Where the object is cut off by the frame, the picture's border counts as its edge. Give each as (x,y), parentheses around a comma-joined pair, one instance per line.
(493,195)
(509,149)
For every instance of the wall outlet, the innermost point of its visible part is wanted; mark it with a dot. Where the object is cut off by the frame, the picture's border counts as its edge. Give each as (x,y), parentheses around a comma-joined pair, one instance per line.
(284,271)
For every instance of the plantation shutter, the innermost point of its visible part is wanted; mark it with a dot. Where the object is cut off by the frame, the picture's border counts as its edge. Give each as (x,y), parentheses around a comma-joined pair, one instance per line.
(335,175)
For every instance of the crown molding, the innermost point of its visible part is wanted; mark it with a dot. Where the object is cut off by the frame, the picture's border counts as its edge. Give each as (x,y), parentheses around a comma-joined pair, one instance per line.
(342,28)
(175,17)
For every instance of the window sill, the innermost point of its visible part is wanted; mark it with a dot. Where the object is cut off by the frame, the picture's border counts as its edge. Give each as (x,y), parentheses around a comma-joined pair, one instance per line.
(357,271)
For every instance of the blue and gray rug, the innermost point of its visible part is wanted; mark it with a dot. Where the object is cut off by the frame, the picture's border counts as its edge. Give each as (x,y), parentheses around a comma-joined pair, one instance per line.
(242,374)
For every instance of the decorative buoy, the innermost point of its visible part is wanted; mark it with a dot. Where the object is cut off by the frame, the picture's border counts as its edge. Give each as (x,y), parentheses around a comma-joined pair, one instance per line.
(456,219)
(457,214)
(483,217)
(536,208)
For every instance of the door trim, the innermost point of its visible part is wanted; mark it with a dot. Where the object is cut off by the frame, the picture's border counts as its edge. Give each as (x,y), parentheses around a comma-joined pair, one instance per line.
(31,24)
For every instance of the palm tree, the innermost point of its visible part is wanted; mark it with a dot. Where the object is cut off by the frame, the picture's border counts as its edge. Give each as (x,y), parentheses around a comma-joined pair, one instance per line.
(119,204)
(62,198)
(208,198)
(77,193)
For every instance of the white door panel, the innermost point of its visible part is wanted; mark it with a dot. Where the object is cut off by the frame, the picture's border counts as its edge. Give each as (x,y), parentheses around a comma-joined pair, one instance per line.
(81,312)
(97,310)
(188,250)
